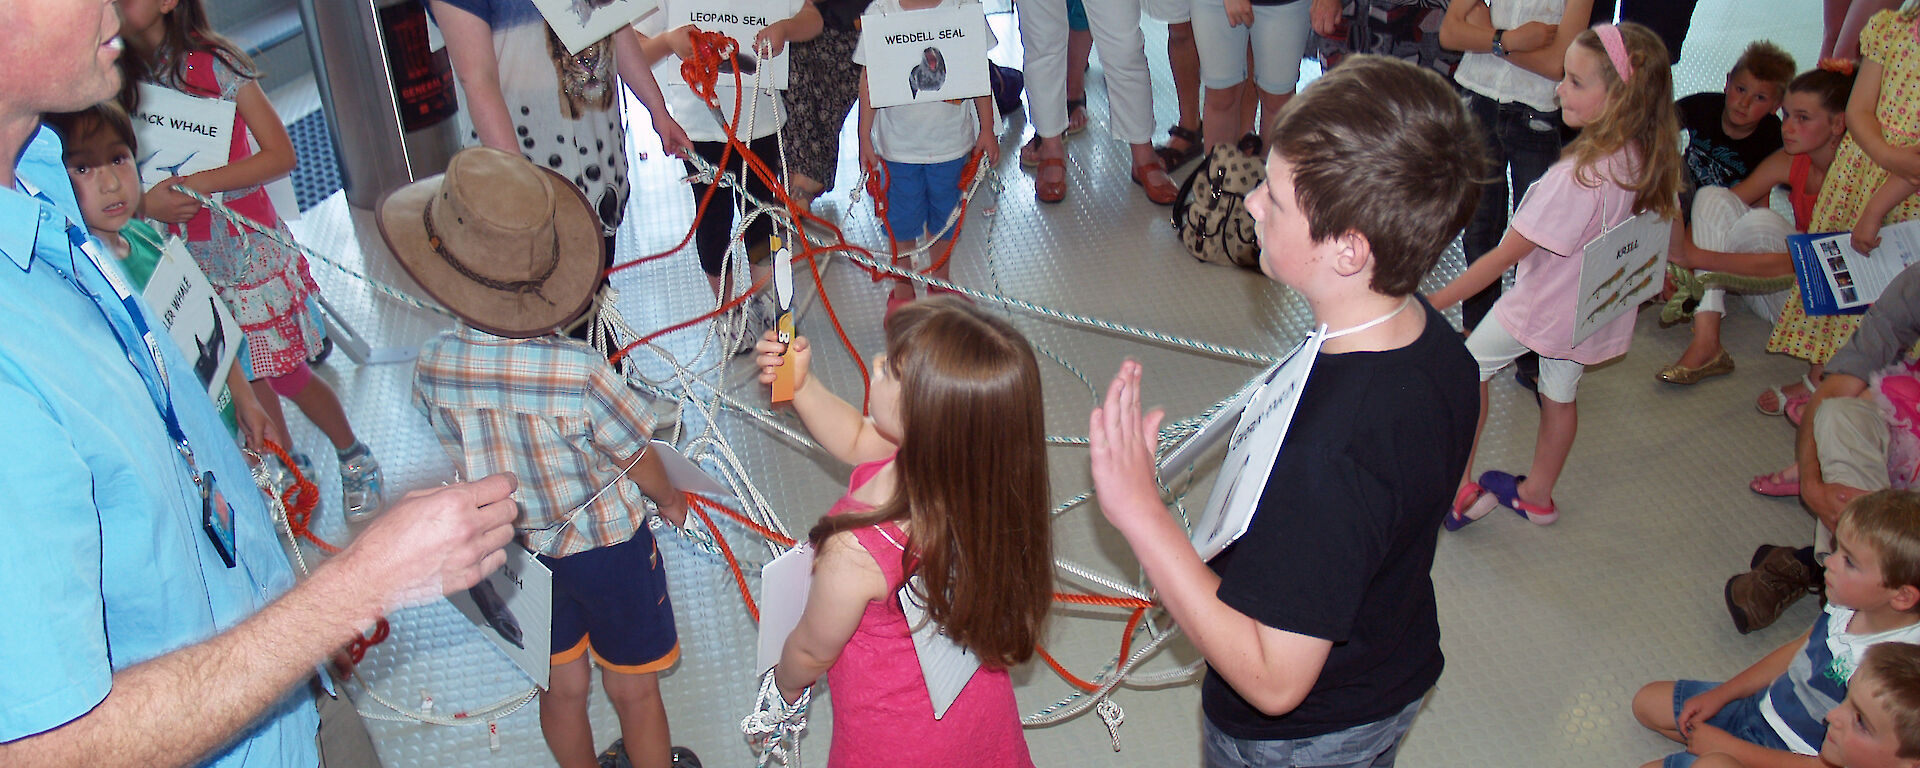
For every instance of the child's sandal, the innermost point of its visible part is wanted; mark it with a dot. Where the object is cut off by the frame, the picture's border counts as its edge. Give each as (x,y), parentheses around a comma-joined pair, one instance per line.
(1470,503)
(1506,488)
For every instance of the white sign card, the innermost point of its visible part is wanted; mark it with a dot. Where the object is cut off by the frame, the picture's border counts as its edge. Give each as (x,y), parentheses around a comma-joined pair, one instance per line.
(513,607)
(927,56)
(194,315)
(1620,269)
(740,20)
(580,23)
(943,663)
(1256,443)
(685,474)
(179,134)
(783,597)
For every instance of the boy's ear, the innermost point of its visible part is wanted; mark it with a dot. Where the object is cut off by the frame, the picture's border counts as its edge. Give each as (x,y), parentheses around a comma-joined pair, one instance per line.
(1906,598)
(1352,254)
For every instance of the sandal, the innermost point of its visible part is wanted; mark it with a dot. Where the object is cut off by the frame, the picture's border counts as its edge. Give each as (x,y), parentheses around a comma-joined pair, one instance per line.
(1076,107)
(1470,503)
(1050,191)
(1162,191)
(1030,153)
(1796,406)
(1174,157)
(1775,484)
(1781,398)
(1506,488)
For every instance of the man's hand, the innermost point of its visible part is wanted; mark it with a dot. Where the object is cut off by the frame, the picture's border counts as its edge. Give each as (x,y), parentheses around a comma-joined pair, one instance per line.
(434,542)
(1122,442)
(673,138)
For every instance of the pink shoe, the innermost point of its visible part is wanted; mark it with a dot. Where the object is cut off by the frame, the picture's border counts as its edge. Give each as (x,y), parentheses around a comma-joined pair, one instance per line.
(1797,405)
(1773,484)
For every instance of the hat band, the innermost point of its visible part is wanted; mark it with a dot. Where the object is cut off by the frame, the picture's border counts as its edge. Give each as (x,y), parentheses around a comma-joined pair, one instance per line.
(532,285)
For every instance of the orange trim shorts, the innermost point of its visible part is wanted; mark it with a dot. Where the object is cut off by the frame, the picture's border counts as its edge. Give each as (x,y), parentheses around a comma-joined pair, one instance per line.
(613,602)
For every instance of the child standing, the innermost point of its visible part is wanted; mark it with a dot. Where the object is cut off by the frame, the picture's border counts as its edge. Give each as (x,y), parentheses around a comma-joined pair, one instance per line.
(265,284)
(506,392)
(1882,144)
(1319,626)
(949,500)
(1775,706)
(1731,132)
(1729,235)
(1619,91)
(99,154)
(924,149)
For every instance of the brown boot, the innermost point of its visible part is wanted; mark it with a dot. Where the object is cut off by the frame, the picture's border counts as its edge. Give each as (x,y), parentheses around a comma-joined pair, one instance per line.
(1756,599)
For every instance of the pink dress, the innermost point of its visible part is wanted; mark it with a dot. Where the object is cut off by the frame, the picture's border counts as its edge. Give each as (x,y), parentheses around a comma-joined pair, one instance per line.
(882,715)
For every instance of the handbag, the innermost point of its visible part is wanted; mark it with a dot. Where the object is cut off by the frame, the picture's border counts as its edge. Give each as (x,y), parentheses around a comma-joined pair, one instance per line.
(1210,212)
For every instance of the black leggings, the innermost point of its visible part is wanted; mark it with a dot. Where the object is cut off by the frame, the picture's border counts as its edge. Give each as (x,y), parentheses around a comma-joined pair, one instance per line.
(713,232)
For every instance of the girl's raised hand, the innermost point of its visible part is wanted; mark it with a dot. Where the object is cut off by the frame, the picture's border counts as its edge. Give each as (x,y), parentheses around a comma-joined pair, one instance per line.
(772,354)
(166,204)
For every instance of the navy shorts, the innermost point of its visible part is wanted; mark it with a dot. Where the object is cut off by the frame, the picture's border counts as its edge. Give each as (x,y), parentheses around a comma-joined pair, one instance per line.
(1740,717)
(613,602)
(920,197)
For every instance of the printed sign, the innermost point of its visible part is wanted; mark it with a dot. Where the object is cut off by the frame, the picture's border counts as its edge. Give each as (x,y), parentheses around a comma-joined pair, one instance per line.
(513,607)
(784,584)
(1620,269)
(1256,443)
(194,316)
(580,23)
(179,134)
(933,55)
(740,20)
(1836,279)
(944,664)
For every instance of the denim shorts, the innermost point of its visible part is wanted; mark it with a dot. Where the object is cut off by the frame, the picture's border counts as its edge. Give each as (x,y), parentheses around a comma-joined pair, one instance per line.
(1740,717)
(1372,745)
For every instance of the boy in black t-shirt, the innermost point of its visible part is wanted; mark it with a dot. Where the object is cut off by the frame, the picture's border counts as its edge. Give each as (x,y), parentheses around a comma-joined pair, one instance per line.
(1730,132)
(1319,625)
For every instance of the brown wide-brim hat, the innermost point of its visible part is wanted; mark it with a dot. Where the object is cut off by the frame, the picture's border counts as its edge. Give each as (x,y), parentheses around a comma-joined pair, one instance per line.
(511,248)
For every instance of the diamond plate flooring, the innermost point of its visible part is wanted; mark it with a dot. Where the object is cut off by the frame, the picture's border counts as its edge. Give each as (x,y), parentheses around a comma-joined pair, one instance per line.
(1547,631)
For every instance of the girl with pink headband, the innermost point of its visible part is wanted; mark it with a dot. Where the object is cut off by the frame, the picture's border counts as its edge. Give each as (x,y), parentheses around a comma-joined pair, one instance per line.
(1618,89)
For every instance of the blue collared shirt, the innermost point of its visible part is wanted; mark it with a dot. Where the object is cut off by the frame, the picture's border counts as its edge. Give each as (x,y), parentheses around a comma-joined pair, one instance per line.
(105,562)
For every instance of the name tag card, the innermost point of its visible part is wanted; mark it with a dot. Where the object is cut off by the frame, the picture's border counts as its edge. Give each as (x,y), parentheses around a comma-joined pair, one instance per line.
(920,57)
(1619,270)
(784,584)
(1256,443)
(580,23)
(513,607)
(194,316)
(740,20)
(180,134)
(943,663)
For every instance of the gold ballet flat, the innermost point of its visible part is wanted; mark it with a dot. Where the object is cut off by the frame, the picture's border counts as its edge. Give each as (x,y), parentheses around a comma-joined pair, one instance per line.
(1720,365)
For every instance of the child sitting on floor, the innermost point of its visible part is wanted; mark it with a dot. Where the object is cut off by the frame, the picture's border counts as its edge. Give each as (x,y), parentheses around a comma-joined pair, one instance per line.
(1773,709)
(514,251)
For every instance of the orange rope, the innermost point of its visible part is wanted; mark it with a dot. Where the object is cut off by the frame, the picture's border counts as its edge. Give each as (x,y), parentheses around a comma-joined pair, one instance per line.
(739,578)
(301,498)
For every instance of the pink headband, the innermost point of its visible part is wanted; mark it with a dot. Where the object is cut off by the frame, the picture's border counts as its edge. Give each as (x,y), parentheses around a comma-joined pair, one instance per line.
(1616,49)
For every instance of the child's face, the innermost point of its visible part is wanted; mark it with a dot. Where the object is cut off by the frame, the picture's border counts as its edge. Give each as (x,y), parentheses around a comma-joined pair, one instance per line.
(1583,92)
(1860,732)
(143,16)
(1809,126)
(105,179)
(1749,100)
(1854,577)
(883,400)
(1286,248)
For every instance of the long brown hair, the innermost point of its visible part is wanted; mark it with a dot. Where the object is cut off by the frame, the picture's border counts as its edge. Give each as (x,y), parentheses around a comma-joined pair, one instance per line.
(973,477)
(188,30)
(1638,116)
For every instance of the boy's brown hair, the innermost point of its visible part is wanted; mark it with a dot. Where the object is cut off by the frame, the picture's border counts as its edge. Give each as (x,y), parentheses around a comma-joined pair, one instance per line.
(1384,149)
(1889,521)
(105,116)
(1767,63)
(1890,672)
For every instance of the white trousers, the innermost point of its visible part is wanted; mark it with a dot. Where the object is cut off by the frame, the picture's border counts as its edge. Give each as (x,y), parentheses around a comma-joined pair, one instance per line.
(1122,45)
(1722,222)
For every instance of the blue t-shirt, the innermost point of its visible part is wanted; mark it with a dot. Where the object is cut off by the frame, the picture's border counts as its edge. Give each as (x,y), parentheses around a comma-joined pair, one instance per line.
(107,565)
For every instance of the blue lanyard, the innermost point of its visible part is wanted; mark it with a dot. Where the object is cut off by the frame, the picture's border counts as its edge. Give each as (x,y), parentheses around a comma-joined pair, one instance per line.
(135,336)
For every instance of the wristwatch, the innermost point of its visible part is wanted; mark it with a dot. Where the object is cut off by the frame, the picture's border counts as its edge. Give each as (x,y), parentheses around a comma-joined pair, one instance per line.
(1499,49)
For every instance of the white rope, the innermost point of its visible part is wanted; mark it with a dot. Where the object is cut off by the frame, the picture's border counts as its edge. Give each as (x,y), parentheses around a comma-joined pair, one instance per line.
(773,729)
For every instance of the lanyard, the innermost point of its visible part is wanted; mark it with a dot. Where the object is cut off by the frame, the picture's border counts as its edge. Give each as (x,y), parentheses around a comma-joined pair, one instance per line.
(132,335)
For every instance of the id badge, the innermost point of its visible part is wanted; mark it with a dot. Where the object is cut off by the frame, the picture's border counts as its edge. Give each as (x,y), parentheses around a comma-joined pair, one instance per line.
(216,516)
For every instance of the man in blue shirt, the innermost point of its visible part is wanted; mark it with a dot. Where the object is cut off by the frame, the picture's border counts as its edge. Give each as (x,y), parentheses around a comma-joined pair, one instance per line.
(131,635)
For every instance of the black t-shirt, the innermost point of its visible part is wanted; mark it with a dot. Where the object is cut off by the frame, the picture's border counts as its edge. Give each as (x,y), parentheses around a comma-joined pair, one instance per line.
(1342,546)
(1715,159)
(840,14)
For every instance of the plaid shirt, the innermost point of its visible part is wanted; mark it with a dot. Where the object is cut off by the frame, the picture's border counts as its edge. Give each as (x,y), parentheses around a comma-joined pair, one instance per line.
(552,411)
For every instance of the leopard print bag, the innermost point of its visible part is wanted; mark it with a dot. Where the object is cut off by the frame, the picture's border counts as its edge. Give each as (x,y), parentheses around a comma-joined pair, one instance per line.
(1211,212)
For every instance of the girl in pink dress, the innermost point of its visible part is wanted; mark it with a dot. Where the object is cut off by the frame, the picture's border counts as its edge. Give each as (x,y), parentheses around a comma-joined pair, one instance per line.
(1619,90)
(948,503)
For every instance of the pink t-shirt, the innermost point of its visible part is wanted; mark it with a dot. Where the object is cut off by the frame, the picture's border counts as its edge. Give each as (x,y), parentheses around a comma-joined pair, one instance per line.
(1560,215)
